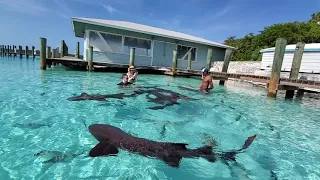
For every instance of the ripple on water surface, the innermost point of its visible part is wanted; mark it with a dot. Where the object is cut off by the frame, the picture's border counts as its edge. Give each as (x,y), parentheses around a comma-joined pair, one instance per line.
(35,117)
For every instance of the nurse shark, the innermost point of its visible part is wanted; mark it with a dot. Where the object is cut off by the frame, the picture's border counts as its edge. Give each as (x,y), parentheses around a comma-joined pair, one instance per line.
(111,139)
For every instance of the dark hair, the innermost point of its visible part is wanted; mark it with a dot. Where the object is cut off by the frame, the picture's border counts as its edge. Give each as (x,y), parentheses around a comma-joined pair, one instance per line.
(124,74)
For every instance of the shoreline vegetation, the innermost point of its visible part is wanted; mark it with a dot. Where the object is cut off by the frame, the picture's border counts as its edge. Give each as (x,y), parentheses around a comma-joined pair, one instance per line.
(294,32)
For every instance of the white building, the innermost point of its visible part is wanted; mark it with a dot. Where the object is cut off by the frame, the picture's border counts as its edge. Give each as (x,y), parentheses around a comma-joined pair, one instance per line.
(310,62)
(111,41)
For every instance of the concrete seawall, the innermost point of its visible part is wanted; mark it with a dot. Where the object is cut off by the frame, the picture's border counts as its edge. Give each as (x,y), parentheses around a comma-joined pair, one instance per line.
(253,67)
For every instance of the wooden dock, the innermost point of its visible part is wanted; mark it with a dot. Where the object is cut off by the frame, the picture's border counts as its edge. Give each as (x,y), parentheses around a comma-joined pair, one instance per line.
(285,83)
(51,56)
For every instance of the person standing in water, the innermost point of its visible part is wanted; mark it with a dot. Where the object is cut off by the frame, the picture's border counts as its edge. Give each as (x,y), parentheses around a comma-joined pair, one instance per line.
(125,81)
(206,81)
(132,74)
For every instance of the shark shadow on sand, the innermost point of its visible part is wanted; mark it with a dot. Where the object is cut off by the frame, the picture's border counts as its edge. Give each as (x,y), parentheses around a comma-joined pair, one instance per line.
(30,125)
(55,156)
(98,97)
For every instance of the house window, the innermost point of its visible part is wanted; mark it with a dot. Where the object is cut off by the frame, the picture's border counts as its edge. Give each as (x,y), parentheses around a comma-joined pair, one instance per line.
(104,42)
(142,47)
(114,42)
(183,52)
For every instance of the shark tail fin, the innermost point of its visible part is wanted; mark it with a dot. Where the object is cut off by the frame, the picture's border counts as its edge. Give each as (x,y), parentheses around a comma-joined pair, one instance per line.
(231,154)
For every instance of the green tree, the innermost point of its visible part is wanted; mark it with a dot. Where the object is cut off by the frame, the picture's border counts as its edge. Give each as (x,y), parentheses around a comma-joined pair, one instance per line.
(250,45)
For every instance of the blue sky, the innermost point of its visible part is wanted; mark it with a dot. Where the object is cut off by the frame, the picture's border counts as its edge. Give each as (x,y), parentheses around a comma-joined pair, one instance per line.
(24,21)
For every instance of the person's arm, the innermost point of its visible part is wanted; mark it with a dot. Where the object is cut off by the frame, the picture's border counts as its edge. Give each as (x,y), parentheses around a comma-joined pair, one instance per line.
(135,75)
(211,83)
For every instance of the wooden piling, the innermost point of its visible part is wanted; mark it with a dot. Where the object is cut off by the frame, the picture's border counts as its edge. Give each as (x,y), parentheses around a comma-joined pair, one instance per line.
(57,52)
(174,62)
(62,49)
(48,55)
(295,67)
(90,58)
(14,51)
(227,58)
(76,55)
(26,52)
(33,53)
(132,56)
(43,60)
(209,58)
(53,55)
(9,51)
(189,61)
(279,52)
(20,51)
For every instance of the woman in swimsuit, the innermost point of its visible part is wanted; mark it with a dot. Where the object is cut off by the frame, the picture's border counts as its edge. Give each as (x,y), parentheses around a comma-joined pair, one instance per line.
(132,74)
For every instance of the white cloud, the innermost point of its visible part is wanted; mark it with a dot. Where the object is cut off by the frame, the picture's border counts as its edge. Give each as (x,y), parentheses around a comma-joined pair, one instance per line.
(222,12)
(110,9)
(31,7)
(62,9)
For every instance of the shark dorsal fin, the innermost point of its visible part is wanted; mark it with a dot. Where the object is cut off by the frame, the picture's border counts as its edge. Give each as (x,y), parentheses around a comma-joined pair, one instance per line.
(103,149)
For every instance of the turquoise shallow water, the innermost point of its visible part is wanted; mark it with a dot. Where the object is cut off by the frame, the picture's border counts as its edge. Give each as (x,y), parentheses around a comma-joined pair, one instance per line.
(35,116)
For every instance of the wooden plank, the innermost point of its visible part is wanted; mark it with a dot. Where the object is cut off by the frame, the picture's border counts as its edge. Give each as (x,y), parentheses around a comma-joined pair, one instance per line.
(295,67)
(76,55)
(43,60)
(90,58)
(174,61)
(209,58)
(132,56)
(227,58)
(276,67)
